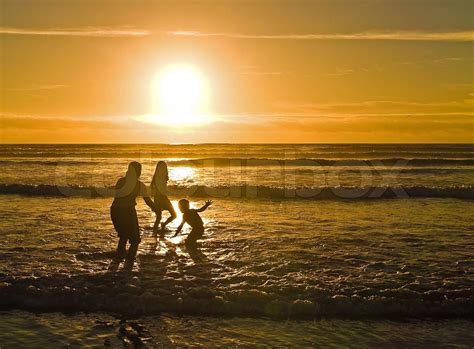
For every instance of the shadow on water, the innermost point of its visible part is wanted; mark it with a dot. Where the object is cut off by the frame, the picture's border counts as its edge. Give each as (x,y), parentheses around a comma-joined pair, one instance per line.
(165,276)
(114,265)
(171,277)
(196,254)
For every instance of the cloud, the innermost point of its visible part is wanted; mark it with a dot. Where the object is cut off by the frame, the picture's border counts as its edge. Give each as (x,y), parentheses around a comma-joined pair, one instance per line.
(382,108)
(463,36)
(245,128)
(456,36)
(35,88)
(83,32)
(342,72)
(28,122)
(258,71)
(31,128)
(262,118)
(263,73)
(382,128)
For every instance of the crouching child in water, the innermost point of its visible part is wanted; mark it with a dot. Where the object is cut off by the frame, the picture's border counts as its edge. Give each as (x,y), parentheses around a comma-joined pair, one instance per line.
(191,216)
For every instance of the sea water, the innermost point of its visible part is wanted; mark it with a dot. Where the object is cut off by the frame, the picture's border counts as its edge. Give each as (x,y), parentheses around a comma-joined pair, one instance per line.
(305,246)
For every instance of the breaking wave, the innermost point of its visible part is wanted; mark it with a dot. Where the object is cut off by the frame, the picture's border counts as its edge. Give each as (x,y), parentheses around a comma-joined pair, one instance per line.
(256,192)
(209,162)
(266,162)
(124,294)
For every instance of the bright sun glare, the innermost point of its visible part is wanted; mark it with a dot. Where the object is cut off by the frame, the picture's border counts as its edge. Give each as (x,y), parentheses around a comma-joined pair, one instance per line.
(180,96)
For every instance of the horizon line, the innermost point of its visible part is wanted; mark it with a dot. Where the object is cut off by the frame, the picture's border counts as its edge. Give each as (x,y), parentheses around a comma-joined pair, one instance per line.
(245,143)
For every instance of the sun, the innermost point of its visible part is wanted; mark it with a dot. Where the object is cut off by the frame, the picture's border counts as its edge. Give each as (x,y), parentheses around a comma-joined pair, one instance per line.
(180,95)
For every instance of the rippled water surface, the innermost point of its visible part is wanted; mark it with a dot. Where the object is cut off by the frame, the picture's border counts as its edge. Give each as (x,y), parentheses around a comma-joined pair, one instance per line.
(258,257)
(257,165)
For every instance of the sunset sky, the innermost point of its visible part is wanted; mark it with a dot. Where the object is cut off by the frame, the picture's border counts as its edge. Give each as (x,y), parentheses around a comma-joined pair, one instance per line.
(270,71)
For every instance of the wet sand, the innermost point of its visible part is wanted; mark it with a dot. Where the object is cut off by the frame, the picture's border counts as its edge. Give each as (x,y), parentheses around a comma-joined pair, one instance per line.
(23,329)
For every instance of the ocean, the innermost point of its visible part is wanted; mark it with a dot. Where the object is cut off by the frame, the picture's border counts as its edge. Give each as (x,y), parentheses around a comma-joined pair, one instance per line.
(306,245)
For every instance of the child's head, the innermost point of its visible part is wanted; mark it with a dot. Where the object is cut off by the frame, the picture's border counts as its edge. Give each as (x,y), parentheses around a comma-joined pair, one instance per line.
(183,205)
(161,172)
(134,170)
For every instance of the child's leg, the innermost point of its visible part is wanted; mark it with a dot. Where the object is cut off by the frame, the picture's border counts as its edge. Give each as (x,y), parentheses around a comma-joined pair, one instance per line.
(171,218)
(190,241)
(121,247)
(134,242)
(194,235)
(132,250)
(156,226)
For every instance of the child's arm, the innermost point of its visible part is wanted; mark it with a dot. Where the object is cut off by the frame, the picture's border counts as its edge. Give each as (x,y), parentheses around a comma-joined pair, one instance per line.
(206,205)
(146,196)
(179,228)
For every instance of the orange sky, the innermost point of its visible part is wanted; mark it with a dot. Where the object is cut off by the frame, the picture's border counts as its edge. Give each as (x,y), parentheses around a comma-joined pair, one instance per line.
(278,71)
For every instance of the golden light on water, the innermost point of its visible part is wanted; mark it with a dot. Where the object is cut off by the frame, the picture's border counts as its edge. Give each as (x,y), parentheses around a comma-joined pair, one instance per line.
(180,96)
(181,173)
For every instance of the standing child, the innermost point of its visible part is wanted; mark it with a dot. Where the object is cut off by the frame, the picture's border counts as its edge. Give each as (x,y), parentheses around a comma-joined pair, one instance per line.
(192,217)
(123,212)
(159,190)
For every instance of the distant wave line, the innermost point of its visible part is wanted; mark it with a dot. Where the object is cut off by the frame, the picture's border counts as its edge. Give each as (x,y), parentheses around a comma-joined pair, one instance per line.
(467,160)
(317,162)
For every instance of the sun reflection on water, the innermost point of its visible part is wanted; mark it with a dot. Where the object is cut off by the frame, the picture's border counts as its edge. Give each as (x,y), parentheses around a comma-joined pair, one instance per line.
(180,174)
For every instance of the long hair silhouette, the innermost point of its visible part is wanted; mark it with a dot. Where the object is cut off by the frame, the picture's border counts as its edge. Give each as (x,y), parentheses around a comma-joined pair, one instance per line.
(160,178)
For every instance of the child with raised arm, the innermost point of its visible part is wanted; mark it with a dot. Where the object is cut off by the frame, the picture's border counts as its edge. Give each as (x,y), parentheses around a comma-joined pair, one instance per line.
(192,217)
